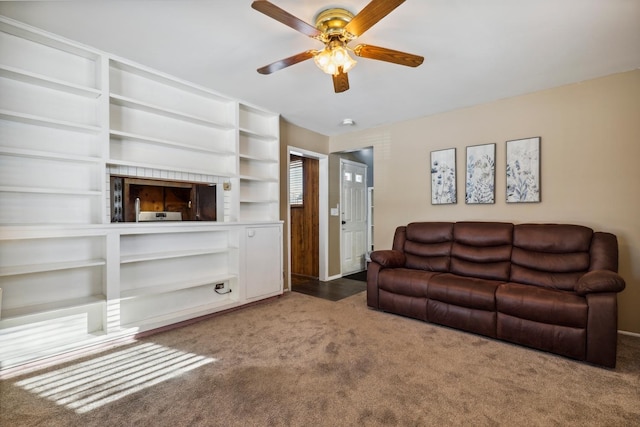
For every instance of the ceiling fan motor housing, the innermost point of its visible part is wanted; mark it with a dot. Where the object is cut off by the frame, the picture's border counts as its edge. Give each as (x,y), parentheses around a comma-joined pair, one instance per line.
(331,23)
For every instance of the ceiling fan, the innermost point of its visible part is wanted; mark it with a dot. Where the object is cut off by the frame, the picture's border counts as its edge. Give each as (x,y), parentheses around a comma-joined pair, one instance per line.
(336,27)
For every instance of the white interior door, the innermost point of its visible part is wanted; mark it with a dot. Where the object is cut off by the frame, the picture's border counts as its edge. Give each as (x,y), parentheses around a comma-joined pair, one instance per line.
(353,201)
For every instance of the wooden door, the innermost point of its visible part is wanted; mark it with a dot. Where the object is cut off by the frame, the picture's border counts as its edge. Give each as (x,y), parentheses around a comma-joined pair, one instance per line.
(305,247)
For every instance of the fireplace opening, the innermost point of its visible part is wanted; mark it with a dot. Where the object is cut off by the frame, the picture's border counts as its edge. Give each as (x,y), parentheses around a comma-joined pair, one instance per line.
(144,200)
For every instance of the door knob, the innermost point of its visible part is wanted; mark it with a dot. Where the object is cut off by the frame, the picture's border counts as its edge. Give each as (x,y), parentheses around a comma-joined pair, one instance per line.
(344,222)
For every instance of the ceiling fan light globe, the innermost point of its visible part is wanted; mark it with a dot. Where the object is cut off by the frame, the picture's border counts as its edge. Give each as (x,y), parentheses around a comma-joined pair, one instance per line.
(333,58)
(348,64)
(341,58)
(339,55)
(324,61)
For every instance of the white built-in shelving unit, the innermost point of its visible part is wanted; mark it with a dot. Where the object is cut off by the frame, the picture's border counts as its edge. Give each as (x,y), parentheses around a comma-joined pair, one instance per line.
(45,274)
(163,123)
(184,265)
(258,164)
(69,277)
(50,110)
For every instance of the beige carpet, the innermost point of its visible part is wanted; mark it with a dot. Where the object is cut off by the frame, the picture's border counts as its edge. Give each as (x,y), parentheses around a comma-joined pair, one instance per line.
(304,361)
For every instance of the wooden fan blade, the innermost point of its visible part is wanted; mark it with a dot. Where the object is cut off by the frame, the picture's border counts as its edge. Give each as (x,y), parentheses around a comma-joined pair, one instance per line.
(280,15)
(388,55)
(370,15)
(340,81)
(286,62)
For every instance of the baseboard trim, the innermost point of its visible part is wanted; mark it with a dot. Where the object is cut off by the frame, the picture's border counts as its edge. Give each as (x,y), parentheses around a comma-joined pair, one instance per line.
(631,334)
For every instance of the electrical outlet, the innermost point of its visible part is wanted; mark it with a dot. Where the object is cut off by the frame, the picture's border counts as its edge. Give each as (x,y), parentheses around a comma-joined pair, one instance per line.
(219,286)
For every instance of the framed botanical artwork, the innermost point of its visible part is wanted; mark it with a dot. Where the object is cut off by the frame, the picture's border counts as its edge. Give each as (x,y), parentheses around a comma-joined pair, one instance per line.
(443,177)
(480,182)
(523,170)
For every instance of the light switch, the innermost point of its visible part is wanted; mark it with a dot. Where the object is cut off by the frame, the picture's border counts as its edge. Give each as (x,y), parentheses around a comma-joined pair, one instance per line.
(334,212)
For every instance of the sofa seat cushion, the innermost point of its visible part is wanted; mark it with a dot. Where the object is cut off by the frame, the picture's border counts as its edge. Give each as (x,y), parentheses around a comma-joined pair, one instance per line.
(542,305)
(404,305)
(463,291)
(405,281)
(564,340)
(467,319)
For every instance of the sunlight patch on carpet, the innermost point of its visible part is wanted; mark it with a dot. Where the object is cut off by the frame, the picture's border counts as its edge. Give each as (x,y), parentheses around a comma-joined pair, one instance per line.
(22,340)
(97,382)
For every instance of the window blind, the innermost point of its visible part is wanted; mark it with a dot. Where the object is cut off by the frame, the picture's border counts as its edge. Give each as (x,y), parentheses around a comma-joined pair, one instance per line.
(296,183)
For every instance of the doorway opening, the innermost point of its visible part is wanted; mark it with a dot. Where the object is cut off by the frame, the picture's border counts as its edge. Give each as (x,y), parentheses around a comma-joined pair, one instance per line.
(355,185)
(322,171)
(353,216)
(304,206)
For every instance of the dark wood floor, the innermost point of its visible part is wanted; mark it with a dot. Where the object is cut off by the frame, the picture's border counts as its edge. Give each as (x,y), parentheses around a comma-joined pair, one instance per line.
(333,290)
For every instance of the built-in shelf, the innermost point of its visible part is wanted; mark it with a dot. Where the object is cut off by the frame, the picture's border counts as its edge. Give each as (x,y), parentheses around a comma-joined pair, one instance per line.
(258,201)
(51,307)
(173,114)
(54,266)
(166,80)
(191,283)
(258,135)
(40,37)
(45,121)
(47,155)
(258,155)
(48,82)
(169,255)
(151,140)
(42,190)
(257,159)
(258,178)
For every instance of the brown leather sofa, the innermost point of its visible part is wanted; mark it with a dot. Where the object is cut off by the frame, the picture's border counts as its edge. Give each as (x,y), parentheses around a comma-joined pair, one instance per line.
(548,286)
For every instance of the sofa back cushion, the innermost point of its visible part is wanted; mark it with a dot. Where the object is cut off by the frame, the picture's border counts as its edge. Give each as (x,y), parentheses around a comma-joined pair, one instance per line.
(427,245)
(604,252)
(482,249)
(550,255)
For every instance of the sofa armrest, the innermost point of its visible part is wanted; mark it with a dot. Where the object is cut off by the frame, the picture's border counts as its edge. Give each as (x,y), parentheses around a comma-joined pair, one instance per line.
(388,258)
(599,281)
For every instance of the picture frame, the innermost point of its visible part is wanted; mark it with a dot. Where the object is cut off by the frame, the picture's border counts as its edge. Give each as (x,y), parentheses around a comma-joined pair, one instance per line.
(523,170)
(443,177)
(480,178)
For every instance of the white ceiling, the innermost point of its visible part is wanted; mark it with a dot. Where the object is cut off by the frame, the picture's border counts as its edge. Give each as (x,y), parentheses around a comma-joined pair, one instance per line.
(475,51)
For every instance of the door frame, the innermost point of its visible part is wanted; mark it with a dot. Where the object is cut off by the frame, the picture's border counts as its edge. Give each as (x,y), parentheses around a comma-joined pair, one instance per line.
(323,216)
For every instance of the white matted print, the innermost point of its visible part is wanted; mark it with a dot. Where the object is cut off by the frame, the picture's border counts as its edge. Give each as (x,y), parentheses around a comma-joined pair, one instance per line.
(523,170)
(443,177)
(480,182)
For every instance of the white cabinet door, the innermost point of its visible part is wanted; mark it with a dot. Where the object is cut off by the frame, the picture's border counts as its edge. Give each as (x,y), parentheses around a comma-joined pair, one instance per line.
(263,261)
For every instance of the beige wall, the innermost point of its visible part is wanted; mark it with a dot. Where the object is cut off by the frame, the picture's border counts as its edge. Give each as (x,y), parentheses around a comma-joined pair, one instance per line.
(294,136)
(590,155)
